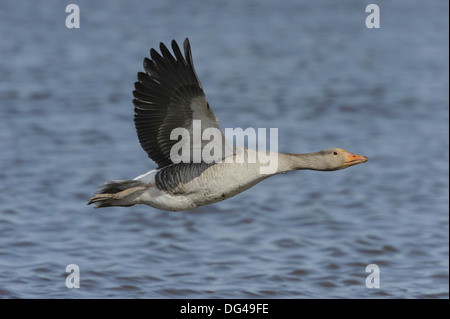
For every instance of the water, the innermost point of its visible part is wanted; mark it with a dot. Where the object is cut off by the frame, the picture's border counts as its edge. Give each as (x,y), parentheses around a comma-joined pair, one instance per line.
(312,70)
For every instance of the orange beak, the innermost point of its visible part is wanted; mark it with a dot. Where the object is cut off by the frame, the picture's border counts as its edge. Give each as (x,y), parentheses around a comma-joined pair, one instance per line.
(353,159)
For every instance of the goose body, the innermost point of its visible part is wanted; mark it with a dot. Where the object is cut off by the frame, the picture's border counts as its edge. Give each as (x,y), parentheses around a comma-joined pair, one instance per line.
(175,188)
(169,96)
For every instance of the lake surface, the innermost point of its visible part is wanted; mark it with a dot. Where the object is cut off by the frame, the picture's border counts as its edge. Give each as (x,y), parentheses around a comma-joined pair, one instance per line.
(314,71)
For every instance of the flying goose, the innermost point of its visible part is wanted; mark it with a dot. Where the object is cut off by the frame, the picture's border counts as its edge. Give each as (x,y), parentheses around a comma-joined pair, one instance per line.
(169,96)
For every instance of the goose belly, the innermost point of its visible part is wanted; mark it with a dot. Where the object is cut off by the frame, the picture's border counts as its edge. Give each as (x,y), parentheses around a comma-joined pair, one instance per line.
(223,181)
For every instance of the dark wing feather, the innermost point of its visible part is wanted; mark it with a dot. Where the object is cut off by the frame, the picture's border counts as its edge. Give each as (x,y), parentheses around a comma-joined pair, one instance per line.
(169,95)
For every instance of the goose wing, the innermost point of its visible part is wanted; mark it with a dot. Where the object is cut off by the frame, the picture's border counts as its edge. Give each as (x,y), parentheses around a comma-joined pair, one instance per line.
(169,96)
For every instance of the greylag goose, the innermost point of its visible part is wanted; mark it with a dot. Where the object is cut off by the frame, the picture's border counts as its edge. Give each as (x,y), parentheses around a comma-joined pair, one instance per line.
(169,97)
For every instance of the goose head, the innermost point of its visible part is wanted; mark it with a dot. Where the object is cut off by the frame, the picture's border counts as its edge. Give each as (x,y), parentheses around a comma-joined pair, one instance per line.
(337,158)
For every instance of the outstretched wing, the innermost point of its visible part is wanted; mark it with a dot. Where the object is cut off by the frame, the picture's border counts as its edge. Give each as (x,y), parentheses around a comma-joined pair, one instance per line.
(169,96)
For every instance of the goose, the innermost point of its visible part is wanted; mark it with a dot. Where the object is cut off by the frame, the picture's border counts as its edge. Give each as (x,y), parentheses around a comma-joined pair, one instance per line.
(169,96)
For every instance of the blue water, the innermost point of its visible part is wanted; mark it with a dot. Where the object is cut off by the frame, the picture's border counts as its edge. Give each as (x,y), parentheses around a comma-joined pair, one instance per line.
(311,69)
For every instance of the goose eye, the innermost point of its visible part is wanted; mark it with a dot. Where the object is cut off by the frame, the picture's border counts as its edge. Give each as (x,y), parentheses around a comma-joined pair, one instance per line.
(335,153)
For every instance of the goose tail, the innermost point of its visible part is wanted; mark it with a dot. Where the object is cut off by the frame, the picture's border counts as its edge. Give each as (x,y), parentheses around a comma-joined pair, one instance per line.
(118,193)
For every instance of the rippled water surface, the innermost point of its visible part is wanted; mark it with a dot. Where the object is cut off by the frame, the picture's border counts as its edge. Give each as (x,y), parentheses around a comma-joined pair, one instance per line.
(312,70)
